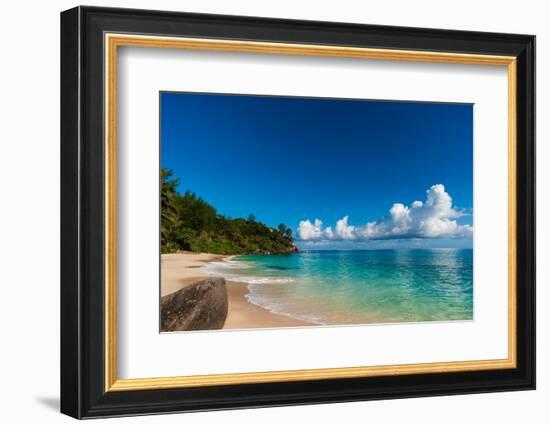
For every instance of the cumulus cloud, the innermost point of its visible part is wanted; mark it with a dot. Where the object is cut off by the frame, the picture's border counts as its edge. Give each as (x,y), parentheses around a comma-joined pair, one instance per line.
(434,218)
(313,231)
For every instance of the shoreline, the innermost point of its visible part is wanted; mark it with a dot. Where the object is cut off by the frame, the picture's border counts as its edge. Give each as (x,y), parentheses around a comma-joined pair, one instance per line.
(179,270)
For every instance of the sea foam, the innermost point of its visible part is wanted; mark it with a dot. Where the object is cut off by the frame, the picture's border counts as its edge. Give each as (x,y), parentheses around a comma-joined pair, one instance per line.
(229,268)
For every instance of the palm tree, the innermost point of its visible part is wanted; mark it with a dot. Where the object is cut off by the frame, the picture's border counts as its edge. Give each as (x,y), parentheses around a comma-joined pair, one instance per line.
(168,211)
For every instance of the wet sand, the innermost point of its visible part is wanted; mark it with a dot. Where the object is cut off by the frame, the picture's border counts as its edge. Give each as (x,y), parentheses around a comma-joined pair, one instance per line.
(182,269)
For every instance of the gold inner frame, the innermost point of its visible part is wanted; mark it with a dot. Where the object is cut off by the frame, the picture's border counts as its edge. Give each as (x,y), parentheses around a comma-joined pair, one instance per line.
(113,41)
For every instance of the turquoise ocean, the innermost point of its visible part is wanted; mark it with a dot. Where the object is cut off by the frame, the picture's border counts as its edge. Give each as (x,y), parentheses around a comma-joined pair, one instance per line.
(360,286)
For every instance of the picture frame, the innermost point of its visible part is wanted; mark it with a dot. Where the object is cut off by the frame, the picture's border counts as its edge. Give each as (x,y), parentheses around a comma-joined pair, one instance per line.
(91,38)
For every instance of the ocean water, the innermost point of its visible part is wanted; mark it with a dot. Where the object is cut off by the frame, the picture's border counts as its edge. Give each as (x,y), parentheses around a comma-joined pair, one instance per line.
(358,287)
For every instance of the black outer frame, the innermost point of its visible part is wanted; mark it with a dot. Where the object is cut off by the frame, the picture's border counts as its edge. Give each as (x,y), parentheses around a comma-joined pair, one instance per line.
(82,212)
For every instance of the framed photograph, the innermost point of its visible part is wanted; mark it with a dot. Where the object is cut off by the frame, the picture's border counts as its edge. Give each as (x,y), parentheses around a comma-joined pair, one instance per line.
(261,212)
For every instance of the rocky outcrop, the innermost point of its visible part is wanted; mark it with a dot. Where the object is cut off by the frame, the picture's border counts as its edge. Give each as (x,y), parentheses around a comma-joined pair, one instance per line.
(200,306)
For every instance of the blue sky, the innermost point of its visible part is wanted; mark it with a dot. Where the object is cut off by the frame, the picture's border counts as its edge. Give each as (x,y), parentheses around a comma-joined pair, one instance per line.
(297,160)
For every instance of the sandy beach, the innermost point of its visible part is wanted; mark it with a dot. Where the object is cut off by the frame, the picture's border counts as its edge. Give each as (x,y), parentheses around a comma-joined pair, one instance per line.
(182,269)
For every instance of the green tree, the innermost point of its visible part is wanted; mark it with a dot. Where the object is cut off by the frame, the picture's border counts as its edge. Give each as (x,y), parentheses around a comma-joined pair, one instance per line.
(188,222)
(168,210)
(284,231)
(195,213)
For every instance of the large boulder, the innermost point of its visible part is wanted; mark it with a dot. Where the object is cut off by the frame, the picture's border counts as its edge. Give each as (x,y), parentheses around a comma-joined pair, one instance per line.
(200,306)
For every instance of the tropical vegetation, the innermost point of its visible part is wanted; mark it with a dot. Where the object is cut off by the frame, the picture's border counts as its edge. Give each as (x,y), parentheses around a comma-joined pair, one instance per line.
(189,223)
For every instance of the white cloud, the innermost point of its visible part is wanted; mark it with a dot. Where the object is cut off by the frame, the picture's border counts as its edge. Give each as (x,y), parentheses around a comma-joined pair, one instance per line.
(434,218)
(343,230)
(309,231)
